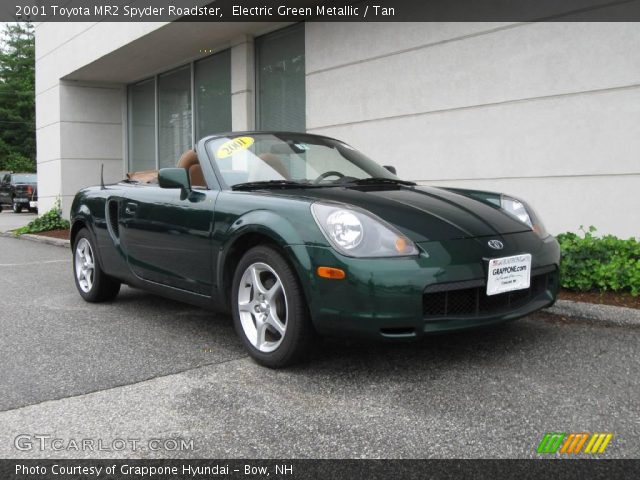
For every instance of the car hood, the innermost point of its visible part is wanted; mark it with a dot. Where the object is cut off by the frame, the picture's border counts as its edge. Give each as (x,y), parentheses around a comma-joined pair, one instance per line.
(423,213)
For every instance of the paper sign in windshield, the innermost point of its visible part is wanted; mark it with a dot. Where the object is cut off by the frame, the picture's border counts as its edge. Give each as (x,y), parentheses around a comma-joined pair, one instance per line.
(230,147)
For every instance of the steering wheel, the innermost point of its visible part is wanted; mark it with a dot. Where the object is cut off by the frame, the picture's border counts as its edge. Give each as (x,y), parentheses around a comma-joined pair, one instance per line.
(330,173)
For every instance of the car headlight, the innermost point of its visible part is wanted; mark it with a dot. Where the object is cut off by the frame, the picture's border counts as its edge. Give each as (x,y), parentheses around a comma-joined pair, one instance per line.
(523,212)
(345,228)
(357,233)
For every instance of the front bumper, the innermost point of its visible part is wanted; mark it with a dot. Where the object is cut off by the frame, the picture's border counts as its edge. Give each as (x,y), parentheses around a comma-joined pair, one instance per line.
(440,290)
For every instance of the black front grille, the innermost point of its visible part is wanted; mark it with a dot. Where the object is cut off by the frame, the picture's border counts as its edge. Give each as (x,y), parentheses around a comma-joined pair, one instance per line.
(460,299)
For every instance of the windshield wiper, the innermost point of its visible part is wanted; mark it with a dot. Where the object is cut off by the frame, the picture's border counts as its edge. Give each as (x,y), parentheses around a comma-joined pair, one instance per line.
(271,184)
(379,181)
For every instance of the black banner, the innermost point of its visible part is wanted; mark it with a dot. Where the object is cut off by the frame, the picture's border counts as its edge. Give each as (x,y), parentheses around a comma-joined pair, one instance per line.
(319,10)
(316,469)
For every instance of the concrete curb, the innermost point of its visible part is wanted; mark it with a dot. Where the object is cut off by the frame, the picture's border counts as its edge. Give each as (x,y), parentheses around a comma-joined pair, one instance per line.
(619,316)
(58,242)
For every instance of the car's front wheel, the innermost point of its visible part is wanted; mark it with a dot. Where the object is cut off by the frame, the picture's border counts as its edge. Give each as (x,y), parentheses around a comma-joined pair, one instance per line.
(269,309)
(92,283)
(17,208)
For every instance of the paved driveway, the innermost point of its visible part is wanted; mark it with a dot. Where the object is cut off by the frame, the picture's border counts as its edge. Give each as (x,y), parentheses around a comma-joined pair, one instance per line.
(144,368)
(11,221)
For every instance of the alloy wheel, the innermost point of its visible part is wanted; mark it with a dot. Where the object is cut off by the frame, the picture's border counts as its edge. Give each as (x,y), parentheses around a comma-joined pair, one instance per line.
(85,265)
(262,306)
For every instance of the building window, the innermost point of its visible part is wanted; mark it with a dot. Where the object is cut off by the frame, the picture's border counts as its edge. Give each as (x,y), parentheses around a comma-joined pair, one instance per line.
(174,116)
(213,94)
(160,115)
(142,126)
(280,73)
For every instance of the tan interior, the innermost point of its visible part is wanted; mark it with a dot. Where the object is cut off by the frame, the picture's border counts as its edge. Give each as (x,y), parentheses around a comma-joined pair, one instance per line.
(143,176)
(196,177)
(188,160)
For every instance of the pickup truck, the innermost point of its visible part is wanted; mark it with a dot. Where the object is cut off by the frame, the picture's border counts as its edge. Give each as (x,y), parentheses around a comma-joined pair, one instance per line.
(20,191)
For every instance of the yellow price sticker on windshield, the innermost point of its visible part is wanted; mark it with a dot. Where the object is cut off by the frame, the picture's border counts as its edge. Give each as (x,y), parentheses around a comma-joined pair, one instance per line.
(230,147)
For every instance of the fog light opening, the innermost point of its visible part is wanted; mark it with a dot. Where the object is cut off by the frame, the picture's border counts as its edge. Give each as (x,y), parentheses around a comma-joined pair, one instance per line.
(398,332)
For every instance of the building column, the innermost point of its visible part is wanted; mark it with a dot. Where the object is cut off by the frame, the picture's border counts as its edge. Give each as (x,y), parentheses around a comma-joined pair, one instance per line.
(80,128)
(242,84)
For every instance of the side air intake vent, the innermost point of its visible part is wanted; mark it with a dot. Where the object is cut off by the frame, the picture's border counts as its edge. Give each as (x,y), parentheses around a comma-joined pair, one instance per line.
(113,215)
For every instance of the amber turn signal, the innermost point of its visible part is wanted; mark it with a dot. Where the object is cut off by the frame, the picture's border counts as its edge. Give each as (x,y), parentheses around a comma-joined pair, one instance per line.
(401,245)
(332,273)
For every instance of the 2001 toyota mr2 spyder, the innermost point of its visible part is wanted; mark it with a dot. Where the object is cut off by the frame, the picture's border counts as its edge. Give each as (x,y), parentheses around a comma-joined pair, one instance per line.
(299,234)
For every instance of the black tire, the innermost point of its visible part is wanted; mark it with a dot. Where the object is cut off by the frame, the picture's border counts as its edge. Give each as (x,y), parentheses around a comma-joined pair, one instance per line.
(17,208)
(298,332)
(102,287)
(0,207)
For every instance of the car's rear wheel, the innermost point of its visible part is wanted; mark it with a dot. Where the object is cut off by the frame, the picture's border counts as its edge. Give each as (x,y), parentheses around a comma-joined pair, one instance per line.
(269,309)
(17,208)
(92,283)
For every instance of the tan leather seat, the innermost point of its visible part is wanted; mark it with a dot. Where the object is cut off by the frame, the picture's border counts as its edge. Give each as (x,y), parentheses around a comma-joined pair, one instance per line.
(188,158)
(189,161)
(196,177)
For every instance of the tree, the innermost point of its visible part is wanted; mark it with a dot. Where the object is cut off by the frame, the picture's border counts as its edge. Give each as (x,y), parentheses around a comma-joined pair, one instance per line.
(17,98)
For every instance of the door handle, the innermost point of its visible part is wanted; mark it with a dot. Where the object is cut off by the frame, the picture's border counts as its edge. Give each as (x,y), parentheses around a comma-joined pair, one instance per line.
(130,208)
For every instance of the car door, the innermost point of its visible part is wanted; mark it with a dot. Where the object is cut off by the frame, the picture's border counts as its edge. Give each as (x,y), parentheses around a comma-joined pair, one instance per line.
(167,236)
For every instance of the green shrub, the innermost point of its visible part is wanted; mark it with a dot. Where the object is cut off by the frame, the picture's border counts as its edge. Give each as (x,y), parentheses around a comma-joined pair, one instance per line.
(604,263)
(52,220)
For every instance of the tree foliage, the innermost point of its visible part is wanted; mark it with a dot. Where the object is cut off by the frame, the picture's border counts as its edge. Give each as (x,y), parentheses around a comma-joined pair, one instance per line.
(17,98)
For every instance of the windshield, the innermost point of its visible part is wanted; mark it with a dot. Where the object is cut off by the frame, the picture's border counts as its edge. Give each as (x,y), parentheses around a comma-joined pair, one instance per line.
(290,157)
(25,178)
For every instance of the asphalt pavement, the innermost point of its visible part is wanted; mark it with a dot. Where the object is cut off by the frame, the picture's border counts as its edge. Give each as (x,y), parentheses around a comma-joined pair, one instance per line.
(143,368)
(11,221)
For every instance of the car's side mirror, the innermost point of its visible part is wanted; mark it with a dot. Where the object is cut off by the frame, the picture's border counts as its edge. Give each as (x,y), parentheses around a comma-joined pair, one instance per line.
(174,178)
(391,169)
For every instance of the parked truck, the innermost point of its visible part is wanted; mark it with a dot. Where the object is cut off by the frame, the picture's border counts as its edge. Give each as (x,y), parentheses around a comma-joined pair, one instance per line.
(19,191)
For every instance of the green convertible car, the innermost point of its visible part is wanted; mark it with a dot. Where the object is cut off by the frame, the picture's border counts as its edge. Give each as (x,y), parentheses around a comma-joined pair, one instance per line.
(298,235)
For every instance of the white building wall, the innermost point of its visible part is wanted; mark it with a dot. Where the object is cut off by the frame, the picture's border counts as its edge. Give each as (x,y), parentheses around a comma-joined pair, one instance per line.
(242,84)
(79,125)
(546,111)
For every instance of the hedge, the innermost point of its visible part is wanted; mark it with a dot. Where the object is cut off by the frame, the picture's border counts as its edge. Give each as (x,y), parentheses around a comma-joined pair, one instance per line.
(602,263)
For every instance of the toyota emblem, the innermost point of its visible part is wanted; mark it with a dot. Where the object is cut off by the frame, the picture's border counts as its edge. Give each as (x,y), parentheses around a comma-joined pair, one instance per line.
(496,244)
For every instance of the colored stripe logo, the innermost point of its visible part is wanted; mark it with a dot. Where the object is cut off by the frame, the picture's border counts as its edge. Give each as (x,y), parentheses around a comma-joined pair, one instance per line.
(573,443)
